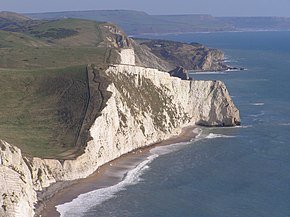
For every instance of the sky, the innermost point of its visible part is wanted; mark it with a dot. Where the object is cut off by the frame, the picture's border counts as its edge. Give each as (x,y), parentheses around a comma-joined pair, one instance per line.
(279,8)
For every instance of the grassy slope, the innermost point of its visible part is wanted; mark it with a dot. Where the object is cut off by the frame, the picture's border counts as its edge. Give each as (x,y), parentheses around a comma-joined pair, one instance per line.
(41,110)
(28,51)
(43,85)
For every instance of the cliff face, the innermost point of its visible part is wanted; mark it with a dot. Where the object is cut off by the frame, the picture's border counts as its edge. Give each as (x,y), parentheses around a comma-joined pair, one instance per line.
(144,107)
(17,194)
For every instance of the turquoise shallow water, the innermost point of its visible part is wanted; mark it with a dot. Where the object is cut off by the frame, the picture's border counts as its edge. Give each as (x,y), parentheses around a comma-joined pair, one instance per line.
(226,172)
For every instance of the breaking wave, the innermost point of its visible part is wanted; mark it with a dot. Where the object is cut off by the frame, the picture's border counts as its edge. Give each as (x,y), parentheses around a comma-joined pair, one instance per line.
(79,206)
(258,103)
(84,202)
(214,136)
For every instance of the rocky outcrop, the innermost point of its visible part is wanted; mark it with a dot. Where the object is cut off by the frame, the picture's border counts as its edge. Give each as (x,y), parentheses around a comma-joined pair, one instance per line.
(114,37)
(127,56)
(191,56)
(144,57)
(145,105)
(179,72)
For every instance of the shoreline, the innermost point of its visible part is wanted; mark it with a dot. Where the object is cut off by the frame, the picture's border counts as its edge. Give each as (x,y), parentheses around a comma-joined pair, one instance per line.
(106,175)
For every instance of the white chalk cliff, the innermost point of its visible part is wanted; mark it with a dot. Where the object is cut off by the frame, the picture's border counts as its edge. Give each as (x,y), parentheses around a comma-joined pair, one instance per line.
(146,106)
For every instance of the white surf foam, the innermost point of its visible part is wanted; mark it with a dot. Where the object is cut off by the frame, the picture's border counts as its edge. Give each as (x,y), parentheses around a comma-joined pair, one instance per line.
(79,206)
(233,127)
(258,103)
(241,126)
(166,149)
(208,73)
(198,132)
(233,70)
(214,136)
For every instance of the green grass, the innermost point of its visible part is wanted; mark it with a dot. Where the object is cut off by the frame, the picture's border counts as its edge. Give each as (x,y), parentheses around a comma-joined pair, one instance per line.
(41,111)
(68,32)
(27,51)
(43,84)
(18,40)
(49,57)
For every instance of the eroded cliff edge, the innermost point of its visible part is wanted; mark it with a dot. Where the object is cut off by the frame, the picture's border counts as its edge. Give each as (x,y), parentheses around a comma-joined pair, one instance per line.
(144,106)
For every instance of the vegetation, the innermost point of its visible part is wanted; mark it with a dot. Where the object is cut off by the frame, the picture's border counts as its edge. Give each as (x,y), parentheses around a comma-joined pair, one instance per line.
(41,111)
(44,88)
(55,33)
(50,98)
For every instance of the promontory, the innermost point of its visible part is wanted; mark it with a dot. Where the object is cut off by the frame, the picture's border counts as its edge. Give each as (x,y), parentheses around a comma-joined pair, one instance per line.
(76,94)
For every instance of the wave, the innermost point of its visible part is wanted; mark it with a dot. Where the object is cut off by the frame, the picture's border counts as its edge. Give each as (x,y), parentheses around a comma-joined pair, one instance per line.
(84,202)
(229,59)
(258,115)
(214,136)
(208,73)
(198,132)
(285,124)
(233,127)
(166,149)
(233,70)
(241,126)
(80,205)
(258,103)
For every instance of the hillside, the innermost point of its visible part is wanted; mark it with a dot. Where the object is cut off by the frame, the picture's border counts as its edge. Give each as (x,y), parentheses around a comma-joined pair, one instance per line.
(51,44)
(137,22)
(42,110)
(191,56)
(44,86)
(258,23)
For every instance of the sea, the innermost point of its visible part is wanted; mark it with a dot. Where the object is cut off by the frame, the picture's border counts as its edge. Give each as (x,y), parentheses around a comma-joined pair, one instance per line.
(225,172)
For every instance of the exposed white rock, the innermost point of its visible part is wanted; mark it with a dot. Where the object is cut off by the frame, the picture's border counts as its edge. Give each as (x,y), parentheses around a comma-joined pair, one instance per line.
(146,106)
(127,56)
(17,196)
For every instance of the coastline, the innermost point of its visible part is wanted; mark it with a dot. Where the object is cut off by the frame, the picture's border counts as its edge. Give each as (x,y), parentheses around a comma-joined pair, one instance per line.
(107,175)
(209,32)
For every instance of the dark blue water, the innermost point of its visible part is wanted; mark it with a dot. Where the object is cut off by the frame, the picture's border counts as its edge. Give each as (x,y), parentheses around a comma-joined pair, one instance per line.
(228,172)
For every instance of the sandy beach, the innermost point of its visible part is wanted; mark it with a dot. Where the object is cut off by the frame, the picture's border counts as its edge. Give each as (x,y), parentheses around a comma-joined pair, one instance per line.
(107,175)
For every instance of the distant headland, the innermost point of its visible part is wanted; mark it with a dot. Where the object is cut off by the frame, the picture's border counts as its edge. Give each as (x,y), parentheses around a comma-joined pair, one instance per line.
(138,22)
